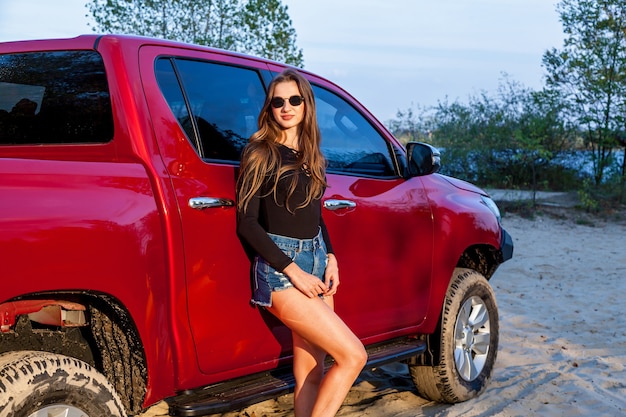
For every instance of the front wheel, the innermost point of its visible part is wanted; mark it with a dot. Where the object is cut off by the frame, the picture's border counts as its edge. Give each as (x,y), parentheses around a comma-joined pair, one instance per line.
(467,342)
(41,384)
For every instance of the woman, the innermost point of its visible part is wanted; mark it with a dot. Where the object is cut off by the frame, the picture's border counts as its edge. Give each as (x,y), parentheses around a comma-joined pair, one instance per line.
(295,273)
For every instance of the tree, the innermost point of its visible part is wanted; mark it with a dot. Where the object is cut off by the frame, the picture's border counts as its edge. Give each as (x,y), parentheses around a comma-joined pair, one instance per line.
(269,32)
(590,73)
(540,132)
(259,27)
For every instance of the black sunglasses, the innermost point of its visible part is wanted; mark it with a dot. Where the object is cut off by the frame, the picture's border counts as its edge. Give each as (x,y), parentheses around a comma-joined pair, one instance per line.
(278,102)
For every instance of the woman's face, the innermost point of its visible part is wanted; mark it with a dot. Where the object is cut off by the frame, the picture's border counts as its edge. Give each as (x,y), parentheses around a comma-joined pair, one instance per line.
(287,116)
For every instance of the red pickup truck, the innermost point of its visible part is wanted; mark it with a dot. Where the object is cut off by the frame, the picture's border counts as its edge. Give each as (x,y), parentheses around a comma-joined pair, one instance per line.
(123,281)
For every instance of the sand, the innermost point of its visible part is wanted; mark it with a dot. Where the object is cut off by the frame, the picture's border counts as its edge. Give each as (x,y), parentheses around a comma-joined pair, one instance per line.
(562,332)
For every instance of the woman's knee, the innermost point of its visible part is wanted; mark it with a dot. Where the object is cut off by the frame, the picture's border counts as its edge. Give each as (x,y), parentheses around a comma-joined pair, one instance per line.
(360,356)
(354,357)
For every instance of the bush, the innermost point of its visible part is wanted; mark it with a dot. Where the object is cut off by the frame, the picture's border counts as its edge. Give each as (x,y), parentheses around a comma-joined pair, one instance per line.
(505,169)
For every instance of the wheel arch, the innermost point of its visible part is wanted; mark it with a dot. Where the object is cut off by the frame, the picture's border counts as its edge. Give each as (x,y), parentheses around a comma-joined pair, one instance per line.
(484,259)
(108,340)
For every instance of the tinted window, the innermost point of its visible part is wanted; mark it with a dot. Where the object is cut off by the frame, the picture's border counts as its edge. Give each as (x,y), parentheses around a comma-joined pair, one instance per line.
(54,97)
(171,89)
(224,102)
(349,142)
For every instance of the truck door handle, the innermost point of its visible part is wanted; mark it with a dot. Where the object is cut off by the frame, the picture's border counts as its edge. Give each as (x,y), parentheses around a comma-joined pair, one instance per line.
(332,204)
(200,203)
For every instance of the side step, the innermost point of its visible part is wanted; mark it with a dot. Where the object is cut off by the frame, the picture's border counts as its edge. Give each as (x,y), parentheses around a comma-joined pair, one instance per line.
(242,392)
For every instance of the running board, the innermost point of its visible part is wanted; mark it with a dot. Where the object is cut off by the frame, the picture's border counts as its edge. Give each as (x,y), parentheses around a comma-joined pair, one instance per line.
(242,392)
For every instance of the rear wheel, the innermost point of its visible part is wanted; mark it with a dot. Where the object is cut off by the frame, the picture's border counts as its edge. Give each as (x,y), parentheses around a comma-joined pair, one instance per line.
(43,384)
(467,342)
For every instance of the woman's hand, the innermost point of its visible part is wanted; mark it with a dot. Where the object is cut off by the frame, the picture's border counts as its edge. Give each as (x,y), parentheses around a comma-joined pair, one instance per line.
(308,284)
(331,275)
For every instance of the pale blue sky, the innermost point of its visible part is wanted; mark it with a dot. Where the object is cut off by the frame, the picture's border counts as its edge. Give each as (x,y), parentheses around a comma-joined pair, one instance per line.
(389,54)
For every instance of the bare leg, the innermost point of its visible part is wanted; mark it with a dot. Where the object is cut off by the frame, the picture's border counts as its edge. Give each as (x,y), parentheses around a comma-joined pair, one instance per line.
(308,369)
(317,329)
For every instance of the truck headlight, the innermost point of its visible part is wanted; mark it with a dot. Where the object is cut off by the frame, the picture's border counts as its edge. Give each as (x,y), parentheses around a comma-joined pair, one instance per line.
(491,205)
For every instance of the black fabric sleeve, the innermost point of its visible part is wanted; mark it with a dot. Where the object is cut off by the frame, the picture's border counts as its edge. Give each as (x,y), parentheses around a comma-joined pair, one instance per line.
(325,235)
(250,231)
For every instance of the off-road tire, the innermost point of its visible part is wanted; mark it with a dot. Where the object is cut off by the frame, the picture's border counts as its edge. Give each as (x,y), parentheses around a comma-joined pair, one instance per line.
(34,384)
(467,342)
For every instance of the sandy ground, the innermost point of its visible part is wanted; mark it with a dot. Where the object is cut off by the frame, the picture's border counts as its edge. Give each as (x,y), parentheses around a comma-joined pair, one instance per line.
(562,332)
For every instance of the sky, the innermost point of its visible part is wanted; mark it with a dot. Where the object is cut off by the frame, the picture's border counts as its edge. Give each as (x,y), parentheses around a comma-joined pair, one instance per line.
(390,55)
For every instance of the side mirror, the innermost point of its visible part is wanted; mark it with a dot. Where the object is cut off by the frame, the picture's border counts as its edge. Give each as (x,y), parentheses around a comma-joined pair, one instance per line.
(422,159)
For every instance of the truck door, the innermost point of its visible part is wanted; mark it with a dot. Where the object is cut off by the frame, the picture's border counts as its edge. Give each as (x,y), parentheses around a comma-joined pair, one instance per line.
(380,223)
(203,112)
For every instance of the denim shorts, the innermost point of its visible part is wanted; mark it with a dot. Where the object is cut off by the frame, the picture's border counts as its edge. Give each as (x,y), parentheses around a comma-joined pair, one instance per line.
(308,254)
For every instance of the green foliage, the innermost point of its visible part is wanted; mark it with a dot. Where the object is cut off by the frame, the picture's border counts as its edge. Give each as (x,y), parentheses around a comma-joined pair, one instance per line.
(504,141)
(587,201)
(411,127)
(269,32)
(258,27)
(590,73)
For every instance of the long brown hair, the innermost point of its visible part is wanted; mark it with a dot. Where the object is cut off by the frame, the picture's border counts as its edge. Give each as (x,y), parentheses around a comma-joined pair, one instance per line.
(261,157)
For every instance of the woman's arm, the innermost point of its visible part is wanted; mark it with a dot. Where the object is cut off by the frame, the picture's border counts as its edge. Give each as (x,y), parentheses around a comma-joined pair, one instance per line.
(251,232)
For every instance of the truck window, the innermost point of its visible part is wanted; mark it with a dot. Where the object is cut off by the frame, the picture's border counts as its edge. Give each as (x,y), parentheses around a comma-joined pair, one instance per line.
(349,142)
(54,98)
(224,102)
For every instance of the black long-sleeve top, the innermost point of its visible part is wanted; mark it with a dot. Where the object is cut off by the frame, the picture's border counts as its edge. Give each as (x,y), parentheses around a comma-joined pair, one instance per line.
(266,214)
